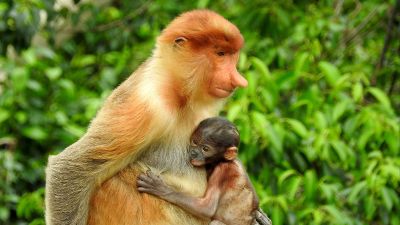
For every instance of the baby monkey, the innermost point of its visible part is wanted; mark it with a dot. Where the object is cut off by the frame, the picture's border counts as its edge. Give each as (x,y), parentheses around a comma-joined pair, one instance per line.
(230,197)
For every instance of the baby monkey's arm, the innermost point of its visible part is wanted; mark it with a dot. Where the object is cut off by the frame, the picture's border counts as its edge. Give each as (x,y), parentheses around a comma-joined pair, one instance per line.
(203,207)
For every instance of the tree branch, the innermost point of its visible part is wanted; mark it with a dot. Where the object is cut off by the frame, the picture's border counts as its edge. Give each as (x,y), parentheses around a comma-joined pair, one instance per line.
(386,44)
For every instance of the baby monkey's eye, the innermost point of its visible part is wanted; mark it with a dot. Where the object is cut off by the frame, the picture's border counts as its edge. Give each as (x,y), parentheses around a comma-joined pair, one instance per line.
(193,142)
(206,148)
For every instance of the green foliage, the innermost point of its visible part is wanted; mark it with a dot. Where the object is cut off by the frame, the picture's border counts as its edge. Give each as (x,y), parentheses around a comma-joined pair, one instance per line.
(319,122)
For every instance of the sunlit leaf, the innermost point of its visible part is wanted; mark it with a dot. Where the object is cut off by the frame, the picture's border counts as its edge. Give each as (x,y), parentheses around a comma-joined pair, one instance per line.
(330,71)
(35,132)
(234,111)
(380,96)
(370,206)
(4,115)
(294,187)
(260,66)
(310,186)
(277,215)
(320,120)
(356,190)
(53,73)
(338,110)
(335,213)
(357,92)
(285,175)
(387,200)
(297,127)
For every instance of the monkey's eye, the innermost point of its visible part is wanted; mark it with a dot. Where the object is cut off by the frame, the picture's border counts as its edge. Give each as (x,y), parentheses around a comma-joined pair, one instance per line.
(221,53)
(193,142)
(206,148)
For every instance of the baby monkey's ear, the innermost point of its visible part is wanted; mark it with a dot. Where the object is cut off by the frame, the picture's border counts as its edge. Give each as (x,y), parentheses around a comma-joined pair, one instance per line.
(231,153)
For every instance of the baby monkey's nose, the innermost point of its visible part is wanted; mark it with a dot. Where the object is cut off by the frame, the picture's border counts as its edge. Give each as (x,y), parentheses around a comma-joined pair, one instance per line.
(193,154)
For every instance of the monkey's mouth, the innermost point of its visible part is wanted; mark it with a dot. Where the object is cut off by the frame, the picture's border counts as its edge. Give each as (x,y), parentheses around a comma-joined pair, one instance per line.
(223,92)
(195,162)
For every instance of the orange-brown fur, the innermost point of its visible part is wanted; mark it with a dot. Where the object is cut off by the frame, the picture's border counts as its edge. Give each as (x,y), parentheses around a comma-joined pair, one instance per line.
(145,124)
(116,203)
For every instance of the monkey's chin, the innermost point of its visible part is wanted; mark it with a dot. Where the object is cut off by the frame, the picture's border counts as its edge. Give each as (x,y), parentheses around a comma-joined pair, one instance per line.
(197,162)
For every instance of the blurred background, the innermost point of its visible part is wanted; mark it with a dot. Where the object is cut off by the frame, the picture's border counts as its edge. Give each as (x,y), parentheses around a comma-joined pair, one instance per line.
(319,120)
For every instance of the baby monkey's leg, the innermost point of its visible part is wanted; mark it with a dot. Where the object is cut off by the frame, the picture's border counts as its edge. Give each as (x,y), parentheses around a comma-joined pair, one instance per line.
(261,218)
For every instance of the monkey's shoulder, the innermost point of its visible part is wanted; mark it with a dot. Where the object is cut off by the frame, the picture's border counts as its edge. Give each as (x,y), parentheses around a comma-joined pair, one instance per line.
(229,175)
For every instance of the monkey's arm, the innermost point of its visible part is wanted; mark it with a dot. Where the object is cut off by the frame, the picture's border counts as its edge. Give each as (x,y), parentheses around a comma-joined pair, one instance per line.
(115,138)
(204,207)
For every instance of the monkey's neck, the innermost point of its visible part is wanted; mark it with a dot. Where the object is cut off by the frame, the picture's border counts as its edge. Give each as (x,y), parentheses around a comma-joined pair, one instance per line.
(182,90)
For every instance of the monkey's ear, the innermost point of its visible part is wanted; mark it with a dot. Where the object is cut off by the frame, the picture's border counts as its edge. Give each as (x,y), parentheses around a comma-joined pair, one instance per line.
(180,40)
(231,153)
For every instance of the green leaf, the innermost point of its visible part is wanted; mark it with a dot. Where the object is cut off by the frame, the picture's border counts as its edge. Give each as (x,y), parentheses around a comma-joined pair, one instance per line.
(297,127)
(320,120)
(294,187)
(4,213)
(261,68)
(380,96)
(330,71)
(310,186)
(277,215)
(19,78)
(285,175)
(202,4)
(357,92)
(234,110)
(35,132)
(268,99)
(300,61)
(242,61)
(355,193)
(4,115)
(53,73)
(339,109)
(339,147)
(339,217)
(268,132)
(252,84)
(83,60)
(387,200)
(370,207)
(75,129)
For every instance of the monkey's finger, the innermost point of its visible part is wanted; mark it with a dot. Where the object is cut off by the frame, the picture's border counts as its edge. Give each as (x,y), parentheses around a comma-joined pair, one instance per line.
(145,178)
(153,176)
(141,183)
(147,190)
(149,173)
(143,189)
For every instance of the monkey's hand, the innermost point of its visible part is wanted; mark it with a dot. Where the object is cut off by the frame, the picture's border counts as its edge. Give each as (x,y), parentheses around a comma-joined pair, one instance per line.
(153,184)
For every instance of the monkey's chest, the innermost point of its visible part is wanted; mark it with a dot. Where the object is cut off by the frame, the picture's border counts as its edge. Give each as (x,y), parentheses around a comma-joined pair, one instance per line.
(171,162)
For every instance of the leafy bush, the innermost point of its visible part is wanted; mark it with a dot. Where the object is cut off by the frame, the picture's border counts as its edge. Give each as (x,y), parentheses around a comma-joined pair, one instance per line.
(319,120)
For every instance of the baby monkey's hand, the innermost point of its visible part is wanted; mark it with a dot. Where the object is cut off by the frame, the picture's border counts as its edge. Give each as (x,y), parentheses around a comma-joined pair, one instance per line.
(152,184)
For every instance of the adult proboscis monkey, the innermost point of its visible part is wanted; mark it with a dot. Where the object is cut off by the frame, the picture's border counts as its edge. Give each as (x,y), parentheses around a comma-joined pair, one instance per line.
(145,124)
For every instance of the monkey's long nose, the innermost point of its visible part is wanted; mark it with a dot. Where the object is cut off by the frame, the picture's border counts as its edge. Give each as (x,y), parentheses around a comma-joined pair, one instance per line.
(238,80)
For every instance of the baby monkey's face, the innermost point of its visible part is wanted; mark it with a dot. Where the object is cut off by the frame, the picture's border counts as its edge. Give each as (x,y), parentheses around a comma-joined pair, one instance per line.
(214,140)
(202,153)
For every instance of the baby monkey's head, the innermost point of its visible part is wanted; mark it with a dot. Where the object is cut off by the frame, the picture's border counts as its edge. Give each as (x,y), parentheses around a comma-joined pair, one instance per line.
(214,140)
